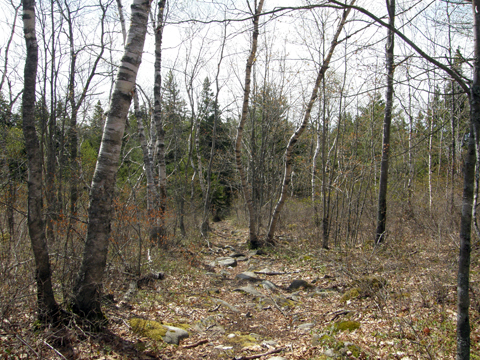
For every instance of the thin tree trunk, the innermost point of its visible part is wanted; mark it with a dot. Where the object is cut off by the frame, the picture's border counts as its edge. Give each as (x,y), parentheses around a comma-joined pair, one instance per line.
(294,138)
(430,150)
(158,120)
(473,152)
(253,239)
(207,203)
(88,287)
(382,193)
(147,157)
(50,192)
(47,306)
(325,188)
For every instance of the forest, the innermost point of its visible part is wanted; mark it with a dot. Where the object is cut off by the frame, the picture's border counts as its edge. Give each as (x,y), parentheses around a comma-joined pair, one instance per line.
(224,179)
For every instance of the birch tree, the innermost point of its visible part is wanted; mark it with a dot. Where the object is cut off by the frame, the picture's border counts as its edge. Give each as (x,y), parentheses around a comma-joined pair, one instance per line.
(88,287)
(47,306)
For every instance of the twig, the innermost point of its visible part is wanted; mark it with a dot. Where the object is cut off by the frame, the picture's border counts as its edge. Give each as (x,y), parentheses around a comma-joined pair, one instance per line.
(56,351)
(270,273)
(28,345)
(258,356)
(198,343)
(215,308)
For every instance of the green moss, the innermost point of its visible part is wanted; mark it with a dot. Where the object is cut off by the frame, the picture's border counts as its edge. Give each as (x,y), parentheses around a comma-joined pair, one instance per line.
(351,294)
(329,342)
(346,325)
(243,340)
(284,302)
(152,329)
(355,350)
(307,258)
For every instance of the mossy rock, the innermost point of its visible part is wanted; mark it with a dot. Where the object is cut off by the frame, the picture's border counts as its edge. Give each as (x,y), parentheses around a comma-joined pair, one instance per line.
(169,333)
(151,329)
(284,302)
(350,294)
(349,325)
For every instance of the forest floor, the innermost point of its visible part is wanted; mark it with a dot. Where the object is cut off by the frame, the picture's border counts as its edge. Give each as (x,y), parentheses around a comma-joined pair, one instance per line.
(396,301)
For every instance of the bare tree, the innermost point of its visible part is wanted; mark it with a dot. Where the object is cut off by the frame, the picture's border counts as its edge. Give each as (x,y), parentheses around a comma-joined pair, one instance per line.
(47,306)
(88,287)
(253,238)
(75,101)
(159,230)
(387,120)
(298,132)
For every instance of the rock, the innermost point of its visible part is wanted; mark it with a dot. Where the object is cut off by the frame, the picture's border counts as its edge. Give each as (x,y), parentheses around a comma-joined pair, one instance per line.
(297,284)
(247,275)
(223,347)
(267,271)
(329,353)
(174,335)
(226,261)
(158,331)
(270,343)
(236,255)
(283,301)
(205,323)
(268,285)
(250,290)
(227,305)
(304,328)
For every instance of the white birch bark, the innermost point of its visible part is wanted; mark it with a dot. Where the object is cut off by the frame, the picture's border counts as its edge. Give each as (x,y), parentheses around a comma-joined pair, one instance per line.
(88,287)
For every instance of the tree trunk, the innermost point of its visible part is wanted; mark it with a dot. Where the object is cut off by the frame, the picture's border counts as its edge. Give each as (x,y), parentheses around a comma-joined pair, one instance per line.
(88,287)
(47,306)
(157,115)
(294,138)
(253,239)
(382,192)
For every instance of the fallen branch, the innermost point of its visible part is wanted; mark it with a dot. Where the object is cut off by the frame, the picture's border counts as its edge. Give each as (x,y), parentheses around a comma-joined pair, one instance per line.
(56,351)
(198,343)
(257,356)
(339,313)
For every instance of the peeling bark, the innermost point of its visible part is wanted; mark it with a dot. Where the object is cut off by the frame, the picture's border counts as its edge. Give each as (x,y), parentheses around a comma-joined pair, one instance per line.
(88,287)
